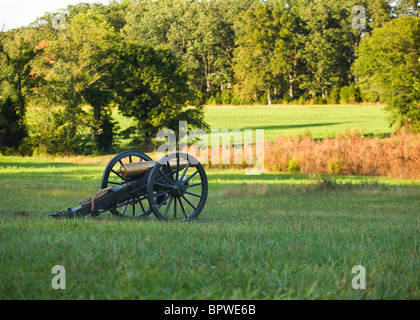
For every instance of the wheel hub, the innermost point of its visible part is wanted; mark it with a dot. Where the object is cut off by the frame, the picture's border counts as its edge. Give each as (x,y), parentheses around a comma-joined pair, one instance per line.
(178,189)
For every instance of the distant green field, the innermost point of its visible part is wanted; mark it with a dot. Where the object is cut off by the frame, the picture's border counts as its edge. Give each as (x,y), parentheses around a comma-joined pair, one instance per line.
(319,121)
(273,236)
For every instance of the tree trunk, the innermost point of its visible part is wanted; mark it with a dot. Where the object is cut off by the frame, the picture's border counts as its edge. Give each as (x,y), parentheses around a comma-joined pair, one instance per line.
(20,97)
(206,73)
(291,81)
(208,85)
(292,77)
(147,143)
(97,123)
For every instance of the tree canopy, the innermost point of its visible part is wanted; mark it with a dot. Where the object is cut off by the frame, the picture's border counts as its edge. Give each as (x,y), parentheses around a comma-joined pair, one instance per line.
(388,68)
(152,86)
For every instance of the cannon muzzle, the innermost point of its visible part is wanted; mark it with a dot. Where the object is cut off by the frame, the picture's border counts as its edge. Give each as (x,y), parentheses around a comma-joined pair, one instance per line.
(63,214)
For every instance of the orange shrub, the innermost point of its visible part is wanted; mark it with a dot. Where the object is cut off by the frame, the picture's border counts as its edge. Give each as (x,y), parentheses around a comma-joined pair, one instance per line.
(397,156)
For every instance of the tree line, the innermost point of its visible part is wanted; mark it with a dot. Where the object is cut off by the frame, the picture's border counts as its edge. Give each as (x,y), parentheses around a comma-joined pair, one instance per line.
(160,61)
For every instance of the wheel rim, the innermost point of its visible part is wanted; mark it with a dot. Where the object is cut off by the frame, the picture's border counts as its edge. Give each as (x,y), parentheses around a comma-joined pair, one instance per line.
(177,193)
(137,206)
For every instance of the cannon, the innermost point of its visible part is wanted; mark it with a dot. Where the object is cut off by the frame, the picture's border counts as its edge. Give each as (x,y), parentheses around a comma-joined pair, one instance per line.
(133,185)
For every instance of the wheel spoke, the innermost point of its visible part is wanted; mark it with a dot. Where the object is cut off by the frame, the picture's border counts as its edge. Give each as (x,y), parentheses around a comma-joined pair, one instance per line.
(113,171)
(167,179)
(164,200)
(171,174)
(117,183)
(193,194)
(177,167)
(169,205)
(163,185)
(194,185)
(141,205)
(185,171)
(190,177)
(188,201)
(162,193)
(182,207)
(125,207)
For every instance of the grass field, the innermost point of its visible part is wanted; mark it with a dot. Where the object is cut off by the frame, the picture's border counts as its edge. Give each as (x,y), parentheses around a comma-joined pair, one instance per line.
(319,121)
(273,236)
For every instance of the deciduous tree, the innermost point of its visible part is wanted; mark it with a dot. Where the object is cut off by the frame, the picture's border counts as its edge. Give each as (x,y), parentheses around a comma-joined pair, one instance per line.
(388,66)
(16,83)
(152,87)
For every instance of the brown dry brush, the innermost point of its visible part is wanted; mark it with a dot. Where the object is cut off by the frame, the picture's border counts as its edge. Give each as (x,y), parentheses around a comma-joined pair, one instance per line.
(396,156)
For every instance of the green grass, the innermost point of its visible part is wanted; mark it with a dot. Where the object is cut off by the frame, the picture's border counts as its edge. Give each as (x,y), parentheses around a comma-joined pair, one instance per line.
(320,121)
(273,236)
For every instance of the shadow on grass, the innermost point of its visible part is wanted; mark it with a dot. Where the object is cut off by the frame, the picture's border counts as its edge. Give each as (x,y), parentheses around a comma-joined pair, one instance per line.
(215,174)
(220,178)
(38,165)
(296,126)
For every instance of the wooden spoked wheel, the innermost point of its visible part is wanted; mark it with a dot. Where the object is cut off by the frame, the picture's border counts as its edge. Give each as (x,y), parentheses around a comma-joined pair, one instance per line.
(177,192)
(137,206)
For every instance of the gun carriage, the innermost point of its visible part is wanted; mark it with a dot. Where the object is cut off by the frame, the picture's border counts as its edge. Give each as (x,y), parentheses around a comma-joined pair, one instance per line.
(173,188)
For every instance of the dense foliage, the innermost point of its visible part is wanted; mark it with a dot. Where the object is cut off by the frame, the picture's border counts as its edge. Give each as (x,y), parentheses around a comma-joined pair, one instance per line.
(389,69)
(154,60)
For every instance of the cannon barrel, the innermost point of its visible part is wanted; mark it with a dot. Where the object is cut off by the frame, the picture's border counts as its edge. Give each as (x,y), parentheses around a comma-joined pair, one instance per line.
(137,169)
